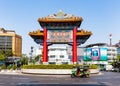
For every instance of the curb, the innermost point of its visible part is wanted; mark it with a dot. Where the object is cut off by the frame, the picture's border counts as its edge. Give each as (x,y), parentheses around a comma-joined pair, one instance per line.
(52,71)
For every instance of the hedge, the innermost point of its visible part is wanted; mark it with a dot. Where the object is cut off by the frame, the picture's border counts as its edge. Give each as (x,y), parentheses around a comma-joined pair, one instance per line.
(53,66)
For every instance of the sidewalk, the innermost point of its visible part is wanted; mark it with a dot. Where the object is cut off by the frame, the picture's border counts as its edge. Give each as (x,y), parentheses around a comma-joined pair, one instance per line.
(10,72)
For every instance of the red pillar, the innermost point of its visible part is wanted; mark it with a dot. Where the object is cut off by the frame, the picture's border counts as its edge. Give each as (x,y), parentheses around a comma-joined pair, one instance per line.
(45,47)
(74,50)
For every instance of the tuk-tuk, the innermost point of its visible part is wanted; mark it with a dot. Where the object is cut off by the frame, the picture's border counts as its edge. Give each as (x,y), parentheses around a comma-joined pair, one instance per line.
(80,71)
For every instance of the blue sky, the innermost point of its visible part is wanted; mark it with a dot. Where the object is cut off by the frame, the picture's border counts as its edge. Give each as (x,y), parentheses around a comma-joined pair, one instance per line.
(102,17)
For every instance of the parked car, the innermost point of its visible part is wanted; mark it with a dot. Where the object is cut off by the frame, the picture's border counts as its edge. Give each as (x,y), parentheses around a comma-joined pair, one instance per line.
(109,68)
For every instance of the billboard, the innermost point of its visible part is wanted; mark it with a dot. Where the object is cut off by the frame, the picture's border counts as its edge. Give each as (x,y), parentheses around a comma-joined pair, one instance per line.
(98,54)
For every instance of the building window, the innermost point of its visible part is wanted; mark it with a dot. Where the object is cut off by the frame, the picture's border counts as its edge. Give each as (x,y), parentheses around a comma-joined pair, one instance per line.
(52,56)
(5,42)
(61,56)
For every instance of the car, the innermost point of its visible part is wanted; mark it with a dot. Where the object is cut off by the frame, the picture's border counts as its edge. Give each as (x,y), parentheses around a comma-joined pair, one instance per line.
(109,68)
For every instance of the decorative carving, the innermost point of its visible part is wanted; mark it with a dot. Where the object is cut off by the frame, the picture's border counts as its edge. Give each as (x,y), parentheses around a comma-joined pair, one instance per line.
(83,32)
(60,16)
(36,33)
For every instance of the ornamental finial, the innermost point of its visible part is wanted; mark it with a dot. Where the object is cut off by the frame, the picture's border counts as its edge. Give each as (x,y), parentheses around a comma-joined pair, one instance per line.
(60,13)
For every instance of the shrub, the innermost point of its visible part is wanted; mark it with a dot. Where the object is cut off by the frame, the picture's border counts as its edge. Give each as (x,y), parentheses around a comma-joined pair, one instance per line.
(9,67)
(47,66)
(3,66)
(93,66)
(14,67)
(53,66)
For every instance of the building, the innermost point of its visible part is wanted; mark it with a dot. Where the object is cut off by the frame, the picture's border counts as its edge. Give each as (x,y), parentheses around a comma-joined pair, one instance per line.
(112,53)
(38,51)
(118,47)
(10,40)
(60,28)
(58,55)
(100,53)
(61,54)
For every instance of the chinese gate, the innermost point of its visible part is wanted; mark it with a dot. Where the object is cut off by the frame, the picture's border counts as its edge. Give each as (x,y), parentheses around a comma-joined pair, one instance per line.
(60,28)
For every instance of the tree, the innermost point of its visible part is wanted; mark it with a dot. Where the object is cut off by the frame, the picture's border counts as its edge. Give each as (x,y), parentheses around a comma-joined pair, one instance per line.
(38,58)
(2,57)
(6,53)
(24,59)
(118,58)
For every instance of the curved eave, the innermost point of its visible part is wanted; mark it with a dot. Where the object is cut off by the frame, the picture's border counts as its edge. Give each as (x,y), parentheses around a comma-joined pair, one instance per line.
(84,33)
(37,33)
(80,34)
(74,19)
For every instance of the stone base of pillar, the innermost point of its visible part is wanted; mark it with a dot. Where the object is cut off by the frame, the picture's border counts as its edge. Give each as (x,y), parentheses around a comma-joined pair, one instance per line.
(45,63)
(74,62)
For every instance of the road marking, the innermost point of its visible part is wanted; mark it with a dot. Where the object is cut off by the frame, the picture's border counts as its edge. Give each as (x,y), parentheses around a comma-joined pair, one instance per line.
(106,83)
(92,82)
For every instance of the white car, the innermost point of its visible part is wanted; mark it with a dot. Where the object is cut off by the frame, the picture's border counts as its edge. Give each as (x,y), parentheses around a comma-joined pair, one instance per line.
(109,68)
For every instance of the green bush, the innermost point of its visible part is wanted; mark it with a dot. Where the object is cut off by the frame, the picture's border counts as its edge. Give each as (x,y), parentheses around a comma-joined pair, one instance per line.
(47,66)
(3,66)
(14,67)
(93,66)
(9,67)
(53,66)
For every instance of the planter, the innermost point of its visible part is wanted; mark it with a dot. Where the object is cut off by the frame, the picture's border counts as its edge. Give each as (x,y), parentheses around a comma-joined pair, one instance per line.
(53,71)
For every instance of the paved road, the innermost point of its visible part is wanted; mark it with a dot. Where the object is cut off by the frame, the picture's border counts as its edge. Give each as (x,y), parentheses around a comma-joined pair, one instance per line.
(104,79)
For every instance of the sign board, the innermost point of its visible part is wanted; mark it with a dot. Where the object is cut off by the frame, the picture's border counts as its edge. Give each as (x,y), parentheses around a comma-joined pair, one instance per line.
(60,36)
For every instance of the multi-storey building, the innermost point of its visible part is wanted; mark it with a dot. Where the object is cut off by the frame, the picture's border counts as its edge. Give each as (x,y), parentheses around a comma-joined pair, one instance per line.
(10,40)
(112,53)
(105,53)
(58,55)
(118,47)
